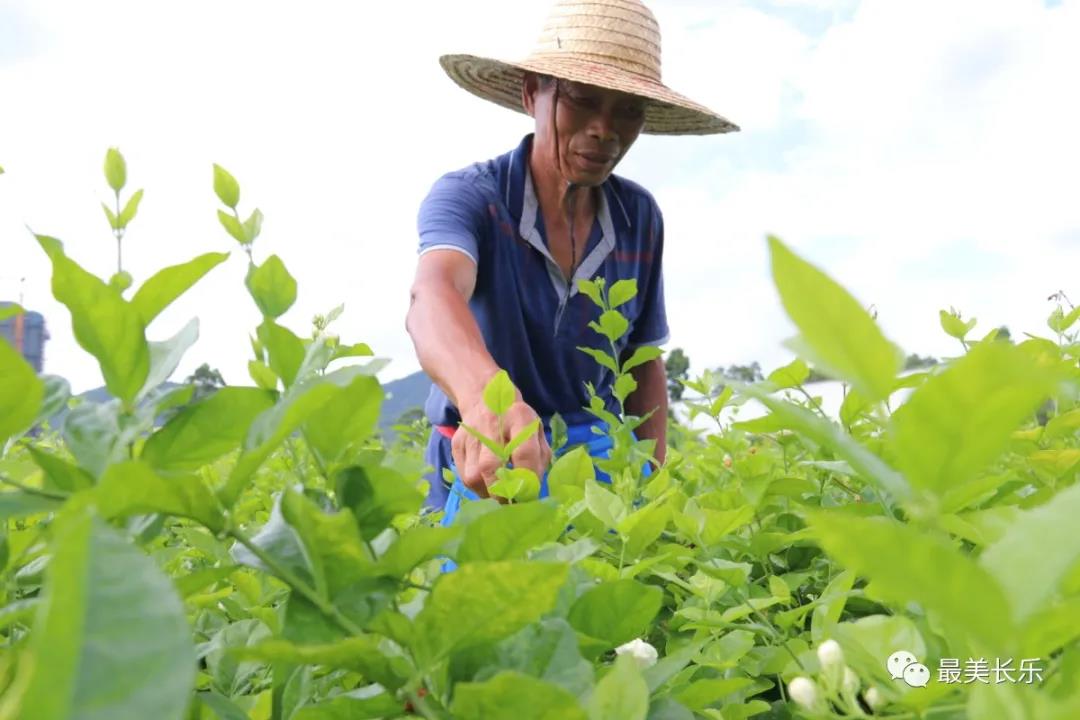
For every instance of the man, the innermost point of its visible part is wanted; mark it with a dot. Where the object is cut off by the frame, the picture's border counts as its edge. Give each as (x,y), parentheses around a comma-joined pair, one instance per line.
(504,243)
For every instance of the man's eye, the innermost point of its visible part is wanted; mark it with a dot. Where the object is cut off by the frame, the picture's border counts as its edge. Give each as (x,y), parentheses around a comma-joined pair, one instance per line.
(584,101)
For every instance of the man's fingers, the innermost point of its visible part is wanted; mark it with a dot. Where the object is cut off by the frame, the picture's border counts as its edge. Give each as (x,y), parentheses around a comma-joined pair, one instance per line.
(488,466)
(472,474)
(530,455)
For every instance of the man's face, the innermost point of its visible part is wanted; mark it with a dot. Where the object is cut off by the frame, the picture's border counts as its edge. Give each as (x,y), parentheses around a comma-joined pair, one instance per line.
(595,127)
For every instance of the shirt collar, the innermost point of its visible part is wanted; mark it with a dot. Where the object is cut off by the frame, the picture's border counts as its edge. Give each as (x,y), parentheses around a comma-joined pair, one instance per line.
(519,195)
(522,202)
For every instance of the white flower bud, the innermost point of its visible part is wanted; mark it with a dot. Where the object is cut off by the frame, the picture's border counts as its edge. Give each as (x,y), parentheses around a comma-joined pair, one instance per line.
(643,653)
(850,683)
(830,654)
(874,698)
(804,692)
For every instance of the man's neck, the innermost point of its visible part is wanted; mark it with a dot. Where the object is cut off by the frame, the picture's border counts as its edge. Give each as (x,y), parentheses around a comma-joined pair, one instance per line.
(555,196)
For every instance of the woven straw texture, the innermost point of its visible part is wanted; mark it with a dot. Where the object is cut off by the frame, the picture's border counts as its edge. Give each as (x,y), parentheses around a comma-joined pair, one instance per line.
(613,44)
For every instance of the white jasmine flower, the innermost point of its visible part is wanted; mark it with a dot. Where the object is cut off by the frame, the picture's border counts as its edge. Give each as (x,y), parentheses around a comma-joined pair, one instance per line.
(851,681)
(830,654)
(804,693)
(874,698)
(643,653)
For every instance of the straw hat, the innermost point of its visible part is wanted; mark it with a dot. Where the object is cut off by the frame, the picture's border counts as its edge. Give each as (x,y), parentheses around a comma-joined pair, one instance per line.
(613,44)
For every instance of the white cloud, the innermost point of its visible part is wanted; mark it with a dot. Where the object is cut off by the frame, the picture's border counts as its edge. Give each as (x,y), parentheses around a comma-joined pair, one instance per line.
(906,131)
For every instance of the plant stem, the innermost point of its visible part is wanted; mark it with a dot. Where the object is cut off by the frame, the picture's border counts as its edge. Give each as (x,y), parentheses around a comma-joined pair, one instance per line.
(322,605)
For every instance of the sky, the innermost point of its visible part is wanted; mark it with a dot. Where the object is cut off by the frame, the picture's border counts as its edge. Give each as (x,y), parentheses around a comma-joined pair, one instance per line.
(923,153)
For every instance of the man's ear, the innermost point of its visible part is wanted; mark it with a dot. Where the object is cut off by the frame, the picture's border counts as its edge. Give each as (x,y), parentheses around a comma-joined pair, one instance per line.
(530,84)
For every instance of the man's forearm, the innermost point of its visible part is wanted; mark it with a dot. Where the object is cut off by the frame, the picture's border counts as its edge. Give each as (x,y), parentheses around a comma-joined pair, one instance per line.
(448,343)
(651,395)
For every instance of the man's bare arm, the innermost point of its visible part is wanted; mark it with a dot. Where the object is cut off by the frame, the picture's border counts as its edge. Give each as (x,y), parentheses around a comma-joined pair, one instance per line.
(452,352)
(651,394)
(447,339)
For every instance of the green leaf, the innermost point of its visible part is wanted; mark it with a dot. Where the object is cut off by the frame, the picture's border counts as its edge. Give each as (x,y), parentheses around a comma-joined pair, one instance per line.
(61,474)
(642,355)
(92,433)
(114,222)
(613,325)
(376,495)
(166,285)
(345,422)
(368,703)
(570,473)
(831,606)
(104,324)
(592,290)
(360,654)
(625,385)
(509,532)
(226,187)
(222,707)
(1064,425)
(837,334)
(21,393)
(621,292)
(111,639)
(17,504)
(791,375)
(115,169)
(615,613)
(518,484)
(286,350)
(130,208)
(601,357)
(272,287)
(132,488)
(605,505)
(1036,553)
(275,424)
(263,376)
(253,225)
(340,564)
(515,594)
(416,545)
(205,430)
(233,227)
(960,420)
(825,433)
(524,434)
(643,527)
(701,694)
(953,325)
(546,650)
(512,694)
(57,395)
(621,695)
(166,356)
(895,557)
(499,393)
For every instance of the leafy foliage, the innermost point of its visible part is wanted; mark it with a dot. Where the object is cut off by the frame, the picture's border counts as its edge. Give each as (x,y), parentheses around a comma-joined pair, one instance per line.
(262,554)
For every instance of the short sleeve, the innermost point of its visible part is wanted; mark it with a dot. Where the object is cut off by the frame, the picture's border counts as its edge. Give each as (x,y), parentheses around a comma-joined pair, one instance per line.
(651,327)
(451,216)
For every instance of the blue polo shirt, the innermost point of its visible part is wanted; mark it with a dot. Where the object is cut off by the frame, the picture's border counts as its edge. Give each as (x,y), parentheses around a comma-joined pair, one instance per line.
(531,321)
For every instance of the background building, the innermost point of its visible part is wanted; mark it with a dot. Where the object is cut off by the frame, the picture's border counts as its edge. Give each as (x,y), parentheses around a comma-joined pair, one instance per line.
(26,333)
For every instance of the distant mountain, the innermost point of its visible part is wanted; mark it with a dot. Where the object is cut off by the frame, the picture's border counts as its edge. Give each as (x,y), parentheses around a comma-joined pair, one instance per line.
(402,395)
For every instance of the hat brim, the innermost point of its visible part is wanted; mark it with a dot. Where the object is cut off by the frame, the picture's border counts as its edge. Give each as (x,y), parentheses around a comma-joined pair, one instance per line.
(666,111)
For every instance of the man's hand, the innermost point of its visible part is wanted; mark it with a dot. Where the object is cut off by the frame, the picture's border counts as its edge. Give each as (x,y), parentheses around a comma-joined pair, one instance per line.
(476,464)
